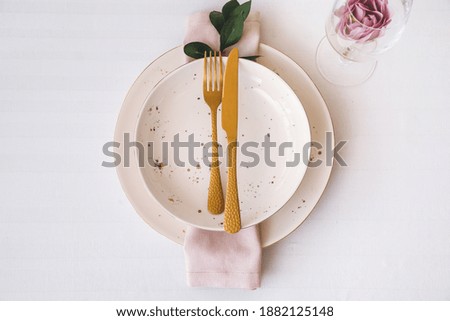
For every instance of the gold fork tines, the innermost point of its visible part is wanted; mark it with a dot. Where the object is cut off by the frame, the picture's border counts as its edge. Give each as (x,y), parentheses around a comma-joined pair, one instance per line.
(212,93)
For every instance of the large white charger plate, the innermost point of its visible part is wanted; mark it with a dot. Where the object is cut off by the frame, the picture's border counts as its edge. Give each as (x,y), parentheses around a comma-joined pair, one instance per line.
(269,111)
(300,205)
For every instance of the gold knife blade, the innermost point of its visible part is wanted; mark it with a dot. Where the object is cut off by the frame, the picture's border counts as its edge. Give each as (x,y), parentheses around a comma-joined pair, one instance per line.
(230,96)
(232,213)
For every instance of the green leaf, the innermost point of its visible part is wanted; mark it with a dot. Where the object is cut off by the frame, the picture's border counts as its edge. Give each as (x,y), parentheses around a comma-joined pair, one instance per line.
(231,32)
(197,49)
(252,58)
(217,19)
(243,10)
(228,8)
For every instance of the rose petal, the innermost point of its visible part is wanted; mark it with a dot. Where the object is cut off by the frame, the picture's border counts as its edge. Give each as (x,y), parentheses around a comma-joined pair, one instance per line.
(367,22)
(372,5)
(381,5)
(387,14)
(378,15)
(363,39)
(356,32)
(372,19)
(341,26)
(374,34)
(362,6)
(359,13)
(340,11)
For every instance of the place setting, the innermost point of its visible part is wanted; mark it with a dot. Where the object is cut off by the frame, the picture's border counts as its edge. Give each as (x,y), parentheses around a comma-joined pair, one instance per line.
(231,140)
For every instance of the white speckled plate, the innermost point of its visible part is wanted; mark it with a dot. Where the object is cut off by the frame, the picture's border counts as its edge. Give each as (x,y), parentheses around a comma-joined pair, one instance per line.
(269,111)
(305,198)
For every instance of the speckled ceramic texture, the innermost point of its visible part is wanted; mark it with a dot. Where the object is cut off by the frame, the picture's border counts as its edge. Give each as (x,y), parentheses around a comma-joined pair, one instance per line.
(299,206)
(268,110)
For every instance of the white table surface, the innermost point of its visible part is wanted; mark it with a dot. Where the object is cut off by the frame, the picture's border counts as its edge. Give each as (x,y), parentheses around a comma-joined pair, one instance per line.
(67,231)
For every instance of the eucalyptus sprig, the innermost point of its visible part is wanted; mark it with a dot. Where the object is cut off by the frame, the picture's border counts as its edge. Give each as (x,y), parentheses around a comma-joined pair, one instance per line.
(229,23)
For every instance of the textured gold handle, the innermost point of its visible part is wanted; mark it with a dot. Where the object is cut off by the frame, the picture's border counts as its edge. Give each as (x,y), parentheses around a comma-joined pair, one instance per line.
(232,219)
(215,192)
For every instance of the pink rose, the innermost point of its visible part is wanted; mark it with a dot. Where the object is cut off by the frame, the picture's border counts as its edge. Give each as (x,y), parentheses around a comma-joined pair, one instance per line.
(363,20)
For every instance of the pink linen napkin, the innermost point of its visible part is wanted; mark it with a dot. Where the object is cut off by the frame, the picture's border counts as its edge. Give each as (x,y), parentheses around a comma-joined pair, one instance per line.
(219,259)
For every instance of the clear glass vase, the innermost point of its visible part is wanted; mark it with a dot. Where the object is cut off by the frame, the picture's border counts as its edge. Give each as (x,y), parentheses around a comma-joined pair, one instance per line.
(357,31)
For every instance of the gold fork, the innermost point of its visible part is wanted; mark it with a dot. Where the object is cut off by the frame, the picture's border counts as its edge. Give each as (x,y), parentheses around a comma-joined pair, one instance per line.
(212,93)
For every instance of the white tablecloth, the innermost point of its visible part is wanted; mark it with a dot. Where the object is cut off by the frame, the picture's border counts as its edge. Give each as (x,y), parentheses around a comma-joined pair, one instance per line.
(67,231)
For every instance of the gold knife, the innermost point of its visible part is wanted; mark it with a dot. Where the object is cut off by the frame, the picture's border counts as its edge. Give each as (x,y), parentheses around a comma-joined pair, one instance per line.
(232,218)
